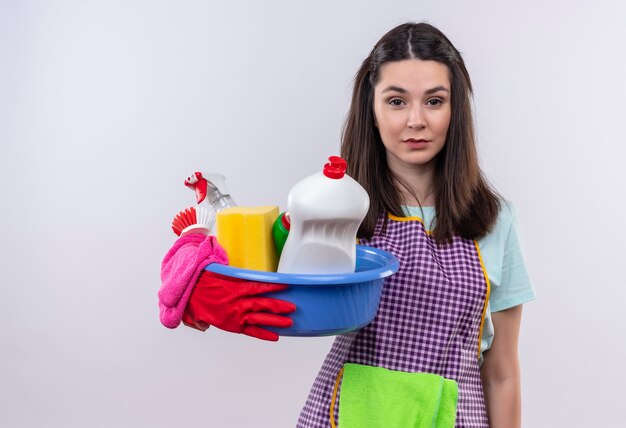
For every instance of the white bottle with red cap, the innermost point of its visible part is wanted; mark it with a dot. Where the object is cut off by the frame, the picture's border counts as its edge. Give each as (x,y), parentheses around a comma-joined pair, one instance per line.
(326,210)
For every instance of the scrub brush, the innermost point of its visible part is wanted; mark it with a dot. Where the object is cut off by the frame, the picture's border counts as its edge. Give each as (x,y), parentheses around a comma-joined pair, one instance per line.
(193,220)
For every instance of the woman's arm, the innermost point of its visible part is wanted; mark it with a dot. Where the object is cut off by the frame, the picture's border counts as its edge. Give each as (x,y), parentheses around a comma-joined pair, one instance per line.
(500,371)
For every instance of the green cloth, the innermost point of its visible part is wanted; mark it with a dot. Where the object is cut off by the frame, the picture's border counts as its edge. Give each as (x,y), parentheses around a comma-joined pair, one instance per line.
(375,397)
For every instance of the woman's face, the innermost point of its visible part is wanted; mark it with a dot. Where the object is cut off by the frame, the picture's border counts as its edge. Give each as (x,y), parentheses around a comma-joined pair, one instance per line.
(412,111)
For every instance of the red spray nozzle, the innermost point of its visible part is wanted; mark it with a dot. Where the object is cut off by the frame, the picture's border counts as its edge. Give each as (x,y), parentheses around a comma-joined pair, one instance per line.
(335,168)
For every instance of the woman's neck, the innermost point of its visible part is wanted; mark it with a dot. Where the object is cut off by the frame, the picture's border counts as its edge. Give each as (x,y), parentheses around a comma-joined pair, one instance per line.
(421,181)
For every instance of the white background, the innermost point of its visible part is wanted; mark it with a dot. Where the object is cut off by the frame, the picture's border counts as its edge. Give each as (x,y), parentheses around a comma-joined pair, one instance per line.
(106,106)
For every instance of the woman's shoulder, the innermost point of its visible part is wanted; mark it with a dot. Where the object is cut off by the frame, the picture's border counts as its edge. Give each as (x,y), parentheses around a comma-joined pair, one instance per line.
(495,242)
(505,219)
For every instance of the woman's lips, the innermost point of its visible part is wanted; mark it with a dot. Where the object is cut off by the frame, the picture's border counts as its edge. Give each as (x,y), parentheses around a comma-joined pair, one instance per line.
(416,144)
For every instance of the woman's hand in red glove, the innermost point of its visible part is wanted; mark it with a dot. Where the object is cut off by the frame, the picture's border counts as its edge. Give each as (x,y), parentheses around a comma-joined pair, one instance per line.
(234,305)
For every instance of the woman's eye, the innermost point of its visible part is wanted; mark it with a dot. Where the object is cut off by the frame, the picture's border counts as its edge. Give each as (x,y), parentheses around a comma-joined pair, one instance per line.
(434,102)
(396,102)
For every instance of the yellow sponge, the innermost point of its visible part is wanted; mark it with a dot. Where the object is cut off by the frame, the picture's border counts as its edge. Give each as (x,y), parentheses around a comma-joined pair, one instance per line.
(246,235)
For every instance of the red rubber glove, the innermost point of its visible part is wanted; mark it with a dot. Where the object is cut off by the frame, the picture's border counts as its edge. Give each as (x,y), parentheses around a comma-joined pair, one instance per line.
(234,305)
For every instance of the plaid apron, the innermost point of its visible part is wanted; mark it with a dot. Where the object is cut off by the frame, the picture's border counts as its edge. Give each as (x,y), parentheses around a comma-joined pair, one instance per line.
(429,320)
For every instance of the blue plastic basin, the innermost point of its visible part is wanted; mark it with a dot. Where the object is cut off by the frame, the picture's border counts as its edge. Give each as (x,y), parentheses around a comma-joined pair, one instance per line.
(328,304)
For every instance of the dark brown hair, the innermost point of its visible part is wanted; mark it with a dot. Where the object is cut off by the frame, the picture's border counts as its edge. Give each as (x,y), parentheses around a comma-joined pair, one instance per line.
(465,203)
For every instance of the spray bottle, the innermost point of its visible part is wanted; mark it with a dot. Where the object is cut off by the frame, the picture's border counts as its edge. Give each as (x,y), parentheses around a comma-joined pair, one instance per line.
(212,195)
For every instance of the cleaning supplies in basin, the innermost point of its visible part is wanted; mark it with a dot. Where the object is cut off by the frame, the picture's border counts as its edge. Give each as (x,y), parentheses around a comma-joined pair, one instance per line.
(246,235)
(325,210)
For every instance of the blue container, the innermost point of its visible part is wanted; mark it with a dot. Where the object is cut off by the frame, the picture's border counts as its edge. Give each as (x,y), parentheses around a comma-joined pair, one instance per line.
(327,304)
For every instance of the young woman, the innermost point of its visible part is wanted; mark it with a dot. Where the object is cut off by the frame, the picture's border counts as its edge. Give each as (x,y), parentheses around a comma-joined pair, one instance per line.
(409,141)
(442,349)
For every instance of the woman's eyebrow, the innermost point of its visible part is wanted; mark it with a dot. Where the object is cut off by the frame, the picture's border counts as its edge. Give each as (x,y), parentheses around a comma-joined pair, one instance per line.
(395,89)
(437,89)
(404,91)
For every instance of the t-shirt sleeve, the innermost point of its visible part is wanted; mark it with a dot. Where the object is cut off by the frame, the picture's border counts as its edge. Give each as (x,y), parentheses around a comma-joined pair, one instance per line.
(514,286)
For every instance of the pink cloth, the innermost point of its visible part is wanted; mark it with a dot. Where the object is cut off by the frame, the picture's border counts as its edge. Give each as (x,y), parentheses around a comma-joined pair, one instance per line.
(180,270)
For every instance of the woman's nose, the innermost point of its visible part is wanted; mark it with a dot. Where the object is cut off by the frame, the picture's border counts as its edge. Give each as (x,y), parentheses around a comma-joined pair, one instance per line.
(416,118)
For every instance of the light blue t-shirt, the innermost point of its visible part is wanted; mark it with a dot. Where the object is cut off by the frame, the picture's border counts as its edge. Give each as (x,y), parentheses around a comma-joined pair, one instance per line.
(503,258)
